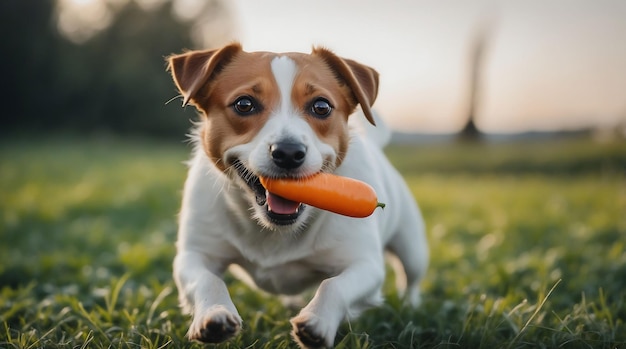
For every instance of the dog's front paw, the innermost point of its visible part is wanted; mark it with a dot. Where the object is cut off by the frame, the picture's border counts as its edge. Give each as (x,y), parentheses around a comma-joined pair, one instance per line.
(309,331)
(216,325)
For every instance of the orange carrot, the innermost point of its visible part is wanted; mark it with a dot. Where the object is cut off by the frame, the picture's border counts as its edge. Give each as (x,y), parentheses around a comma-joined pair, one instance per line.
(342,195)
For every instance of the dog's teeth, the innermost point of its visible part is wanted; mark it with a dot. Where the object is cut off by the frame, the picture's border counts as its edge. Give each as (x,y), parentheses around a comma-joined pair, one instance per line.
(261,199)
(267,194)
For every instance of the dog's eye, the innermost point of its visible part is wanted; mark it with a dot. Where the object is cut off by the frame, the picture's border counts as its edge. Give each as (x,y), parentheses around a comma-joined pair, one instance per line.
(245,106)
(321,108)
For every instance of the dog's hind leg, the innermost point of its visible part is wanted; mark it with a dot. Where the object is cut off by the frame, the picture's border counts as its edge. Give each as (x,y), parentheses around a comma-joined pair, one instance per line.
(410,246)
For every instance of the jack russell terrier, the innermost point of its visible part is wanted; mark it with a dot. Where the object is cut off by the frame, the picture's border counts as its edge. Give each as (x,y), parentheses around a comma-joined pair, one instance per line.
(277,116)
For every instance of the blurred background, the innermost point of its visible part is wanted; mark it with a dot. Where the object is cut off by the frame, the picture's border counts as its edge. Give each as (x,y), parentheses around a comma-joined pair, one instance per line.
(497,106)
(447,67)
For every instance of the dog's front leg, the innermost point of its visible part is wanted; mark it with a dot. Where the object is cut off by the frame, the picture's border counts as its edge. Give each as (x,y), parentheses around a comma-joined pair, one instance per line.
(358,285)
(204,295)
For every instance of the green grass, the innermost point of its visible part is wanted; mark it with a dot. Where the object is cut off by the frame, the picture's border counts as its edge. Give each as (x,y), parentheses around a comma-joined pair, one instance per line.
(527,242)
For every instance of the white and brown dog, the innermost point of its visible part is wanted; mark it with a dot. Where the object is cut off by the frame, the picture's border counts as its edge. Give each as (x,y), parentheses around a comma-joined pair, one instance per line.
(285,115)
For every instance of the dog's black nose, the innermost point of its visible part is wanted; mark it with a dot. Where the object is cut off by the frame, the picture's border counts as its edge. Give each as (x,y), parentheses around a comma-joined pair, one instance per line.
(288,155)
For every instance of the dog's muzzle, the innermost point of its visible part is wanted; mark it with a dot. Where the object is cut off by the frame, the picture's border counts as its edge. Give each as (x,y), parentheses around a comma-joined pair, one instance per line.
(286,156)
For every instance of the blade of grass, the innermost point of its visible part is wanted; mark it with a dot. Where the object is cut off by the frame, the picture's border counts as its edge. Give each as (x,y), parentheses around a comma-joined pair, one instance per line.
(159,298)
(111,300)
(532,317)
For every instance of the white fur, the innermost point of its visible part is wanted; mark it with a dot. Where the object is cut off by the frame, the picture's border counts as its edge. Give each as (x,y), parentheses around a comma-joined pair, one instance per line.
(284,70)
(343,256)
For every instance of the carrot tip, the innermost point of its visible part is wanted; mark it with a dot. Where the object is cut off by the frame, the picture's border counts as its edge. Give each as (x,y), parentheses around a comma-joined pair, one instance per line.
(381,205)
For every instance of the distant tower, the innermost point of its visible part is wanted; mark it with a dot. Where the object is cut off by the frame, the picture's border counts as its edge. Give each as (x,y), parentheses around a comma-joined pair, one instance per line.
(475,66)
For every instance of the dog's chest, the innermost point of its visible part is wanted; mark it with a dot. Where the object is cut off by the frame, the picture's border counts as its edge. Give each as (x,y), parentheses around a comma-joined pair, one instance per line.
(288,278)
(289,264)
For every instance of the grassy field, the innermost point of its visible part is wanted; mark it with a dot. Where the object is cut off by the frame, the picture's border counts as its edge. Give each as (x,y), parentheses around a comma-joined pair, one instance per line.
(527,241)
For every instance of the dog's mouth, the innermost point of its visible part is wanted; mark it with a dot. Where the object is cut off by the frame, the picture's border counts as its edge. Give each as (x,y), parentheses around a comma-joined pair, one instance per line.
(278,210)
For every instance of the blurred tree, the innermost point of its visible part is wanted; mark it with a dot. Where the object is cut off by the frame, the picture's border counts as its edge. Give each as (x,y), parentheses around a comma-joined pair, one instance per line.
(27,41)
(113,82)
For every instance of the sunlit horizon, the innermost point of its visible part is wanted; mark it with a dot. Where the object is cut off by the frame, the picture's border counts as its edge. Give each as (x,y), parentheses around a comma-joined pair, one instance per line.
(546,66)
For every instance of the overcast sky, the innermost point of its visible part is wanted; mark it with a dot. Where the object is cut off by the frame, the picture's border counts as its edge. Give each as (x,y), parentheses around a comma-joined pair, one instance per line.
(548,65)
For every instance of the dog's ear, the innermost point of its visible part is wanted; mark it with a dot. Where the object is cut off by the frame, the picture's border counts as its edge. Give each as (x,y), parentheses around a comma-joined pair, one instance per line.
(192,70)
(362,80)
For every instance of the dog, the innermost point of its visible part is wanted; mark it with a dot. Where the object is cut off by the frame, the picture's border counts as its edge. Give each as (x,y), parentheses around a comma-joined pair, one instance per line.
(286,115)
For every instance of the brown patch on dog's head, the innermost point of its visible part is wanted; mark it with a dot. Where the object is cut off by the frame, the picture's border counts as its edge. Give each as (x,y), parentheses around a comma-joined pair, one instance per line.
(193,69)
(361,79)
(344,83)
(214,80)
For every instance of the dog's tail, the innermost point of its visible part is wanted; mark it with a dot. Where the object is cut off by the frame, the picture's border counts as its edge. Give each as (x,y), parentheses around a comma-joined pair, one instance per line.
(379,134)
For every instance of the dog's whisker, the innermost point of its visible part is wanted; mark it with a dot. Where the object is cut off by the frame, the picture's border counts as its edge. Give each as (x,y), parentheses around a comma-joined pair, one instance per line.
(173,98)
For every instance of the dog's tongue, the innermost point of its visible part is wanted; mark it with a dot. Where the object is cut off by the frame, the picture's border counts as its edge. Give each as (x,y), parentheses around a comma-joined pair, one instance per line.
(281,205)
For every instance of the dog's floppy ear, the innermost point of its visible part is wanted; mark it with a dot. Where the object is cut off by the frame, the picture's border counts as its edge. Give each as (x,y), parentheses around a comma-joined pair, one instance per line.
(192,70)
(362,80)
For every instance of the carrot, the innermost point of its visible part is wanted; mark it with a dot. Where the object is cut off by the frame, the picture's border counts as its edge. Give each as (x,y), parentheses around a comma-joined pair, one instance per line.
(342,195)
